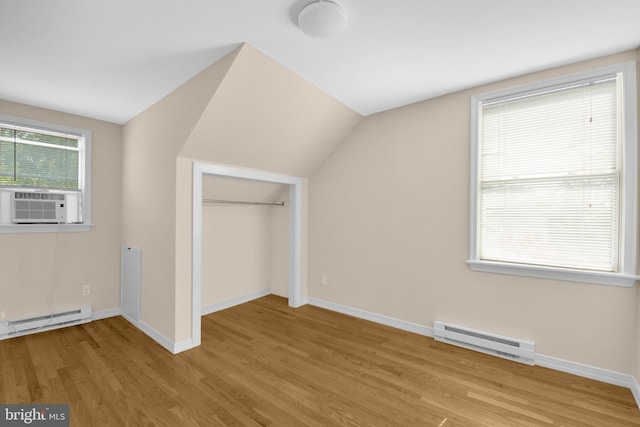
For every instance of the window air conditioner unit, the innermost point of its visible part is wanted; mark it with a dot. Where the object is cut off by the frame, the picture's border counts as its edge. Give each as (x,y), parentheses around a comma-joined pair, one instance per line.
(33,207)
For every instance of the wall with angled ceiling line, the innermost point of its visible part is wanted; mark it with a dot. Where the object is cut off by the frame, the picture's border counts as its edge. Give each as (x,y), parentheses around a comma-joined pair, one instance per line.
(246,110)
(45,272)
(398,242)
(152,142)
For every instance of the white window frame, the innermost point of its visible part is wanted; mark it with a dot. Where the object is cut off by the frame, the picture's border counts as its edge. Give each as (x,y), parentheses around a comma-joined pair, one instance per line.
(627,275)
(85,178)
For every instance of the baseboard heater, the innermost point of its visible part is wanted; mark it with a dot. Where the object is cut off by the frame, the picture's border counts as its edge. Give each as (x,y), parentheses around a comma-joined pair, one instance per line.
(496,345)
(47,322)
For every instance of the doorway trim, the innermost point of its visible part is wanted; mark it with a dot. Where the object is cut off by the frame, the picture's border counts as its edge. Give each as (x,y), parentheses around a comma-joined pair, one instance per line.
(295,233)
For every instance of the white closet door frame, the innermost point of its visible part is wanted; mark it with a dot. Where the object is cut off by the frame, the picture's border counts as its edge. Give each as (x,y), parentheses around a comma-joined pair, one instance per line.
(295,233)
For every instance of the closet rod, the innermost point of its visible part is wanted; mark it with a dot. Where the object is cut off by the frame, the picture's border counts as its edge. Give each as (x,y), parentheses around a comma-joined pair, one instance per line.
(237,202)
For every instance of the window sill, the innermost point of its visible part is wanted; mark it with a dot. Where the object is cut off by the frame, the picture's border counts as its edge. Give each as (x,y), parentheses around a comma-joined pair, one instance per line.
(583,276)
(44,228)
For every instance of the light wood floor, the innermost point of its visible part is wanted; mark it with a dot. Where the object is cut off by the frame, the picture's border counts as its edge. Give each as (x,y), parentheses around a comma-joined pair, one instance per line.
(263,363)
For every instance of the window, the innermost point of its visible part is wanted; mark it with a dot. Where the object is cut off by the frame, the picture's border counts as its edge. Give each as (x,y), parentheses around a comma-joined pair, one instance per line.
(44,176)
(553,180)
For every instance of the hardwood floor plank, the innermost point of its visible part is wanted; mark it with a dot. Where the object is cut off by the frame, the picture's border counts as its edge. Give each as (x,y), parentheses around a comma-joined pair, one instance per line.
(264,363)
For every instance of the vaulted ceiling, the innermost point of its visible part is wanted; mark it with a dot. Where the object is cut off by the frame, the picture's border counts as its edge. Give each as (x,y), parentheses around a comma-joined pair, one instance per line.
(263,116)
(113,59)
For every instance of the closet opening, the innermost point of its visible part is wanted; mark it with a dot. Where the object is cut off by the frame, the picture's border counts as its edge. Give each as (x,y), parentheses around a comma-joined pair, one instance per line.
(240,193)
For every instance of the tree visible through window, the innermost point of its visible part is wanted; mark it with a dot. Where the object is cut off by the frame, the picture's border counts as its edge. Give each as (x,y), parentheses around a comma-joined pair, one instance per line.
(41,163)
(38,159)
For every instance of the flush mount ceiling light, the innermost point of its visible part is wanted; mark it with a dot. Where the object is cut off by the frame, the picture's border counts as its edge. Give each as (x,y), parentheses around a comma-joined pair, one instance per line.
(322,19)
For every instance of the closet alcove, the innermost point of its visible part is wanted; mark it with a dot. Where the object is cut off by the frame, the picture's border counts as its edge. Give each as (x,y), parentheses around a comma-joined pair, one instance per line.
(245,238)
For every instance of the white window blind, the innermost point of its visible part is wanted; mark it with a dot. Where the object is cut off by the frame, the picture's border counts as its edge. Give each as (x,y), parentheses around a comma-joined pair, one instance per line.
(549,177)
(39,161)
(38,158)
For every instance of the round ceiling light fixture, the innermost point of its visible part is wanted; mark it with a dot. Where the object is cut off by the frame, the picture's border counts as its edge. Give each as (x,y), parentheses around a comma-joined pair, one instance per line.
(322,19)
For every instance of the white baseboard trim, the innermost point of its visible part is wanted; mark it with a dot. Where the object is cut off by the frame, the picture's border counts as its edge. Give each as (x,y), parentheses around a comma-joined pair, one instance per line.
(156,336)
(235,301)
(165,342)
(586,371)
(104,314)
(130,320)
(377,318)
(181,346)
(581,370)
(177,347)
(635,389)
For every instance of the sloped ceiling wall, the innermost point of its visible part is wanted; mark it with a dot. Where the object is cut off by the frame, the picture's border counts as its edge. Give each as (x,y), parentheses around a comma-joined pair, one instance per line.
(151,143)
(246,110)
(389,227)
(263,116)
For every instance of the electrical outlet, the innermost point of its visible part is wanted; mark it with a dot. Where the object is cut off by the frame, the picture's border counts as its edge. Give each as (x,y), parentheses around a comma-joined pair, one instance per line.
(3,314)
(323,279)
(86,290)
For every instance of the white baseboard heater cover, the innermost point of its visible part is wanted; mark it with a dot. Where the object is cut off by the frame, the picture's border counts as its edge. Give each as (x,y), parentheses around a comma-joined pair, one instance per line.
(46,322)
(496,345)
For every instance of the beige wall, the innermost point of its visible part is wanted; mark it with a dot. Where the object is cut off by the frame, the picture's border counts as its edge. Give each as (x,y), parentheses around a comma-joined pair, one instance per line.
(387,218)
(262,117)
(267,118)
(636,358)
(43,272)
(279,247)
(225,115)
(389,226)
(244,247)
(235,251)
(152,141)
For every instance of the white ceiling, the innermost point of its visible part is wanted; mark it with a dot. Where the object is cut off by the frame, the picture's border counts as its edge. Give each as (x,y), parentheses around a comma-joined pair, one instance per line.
(112,59)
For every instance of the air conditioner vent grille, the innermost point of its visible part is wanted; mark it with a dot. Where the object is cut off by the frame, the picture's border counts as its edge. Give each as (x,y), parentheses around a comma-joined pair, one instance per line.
(38,207)
(38,196)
